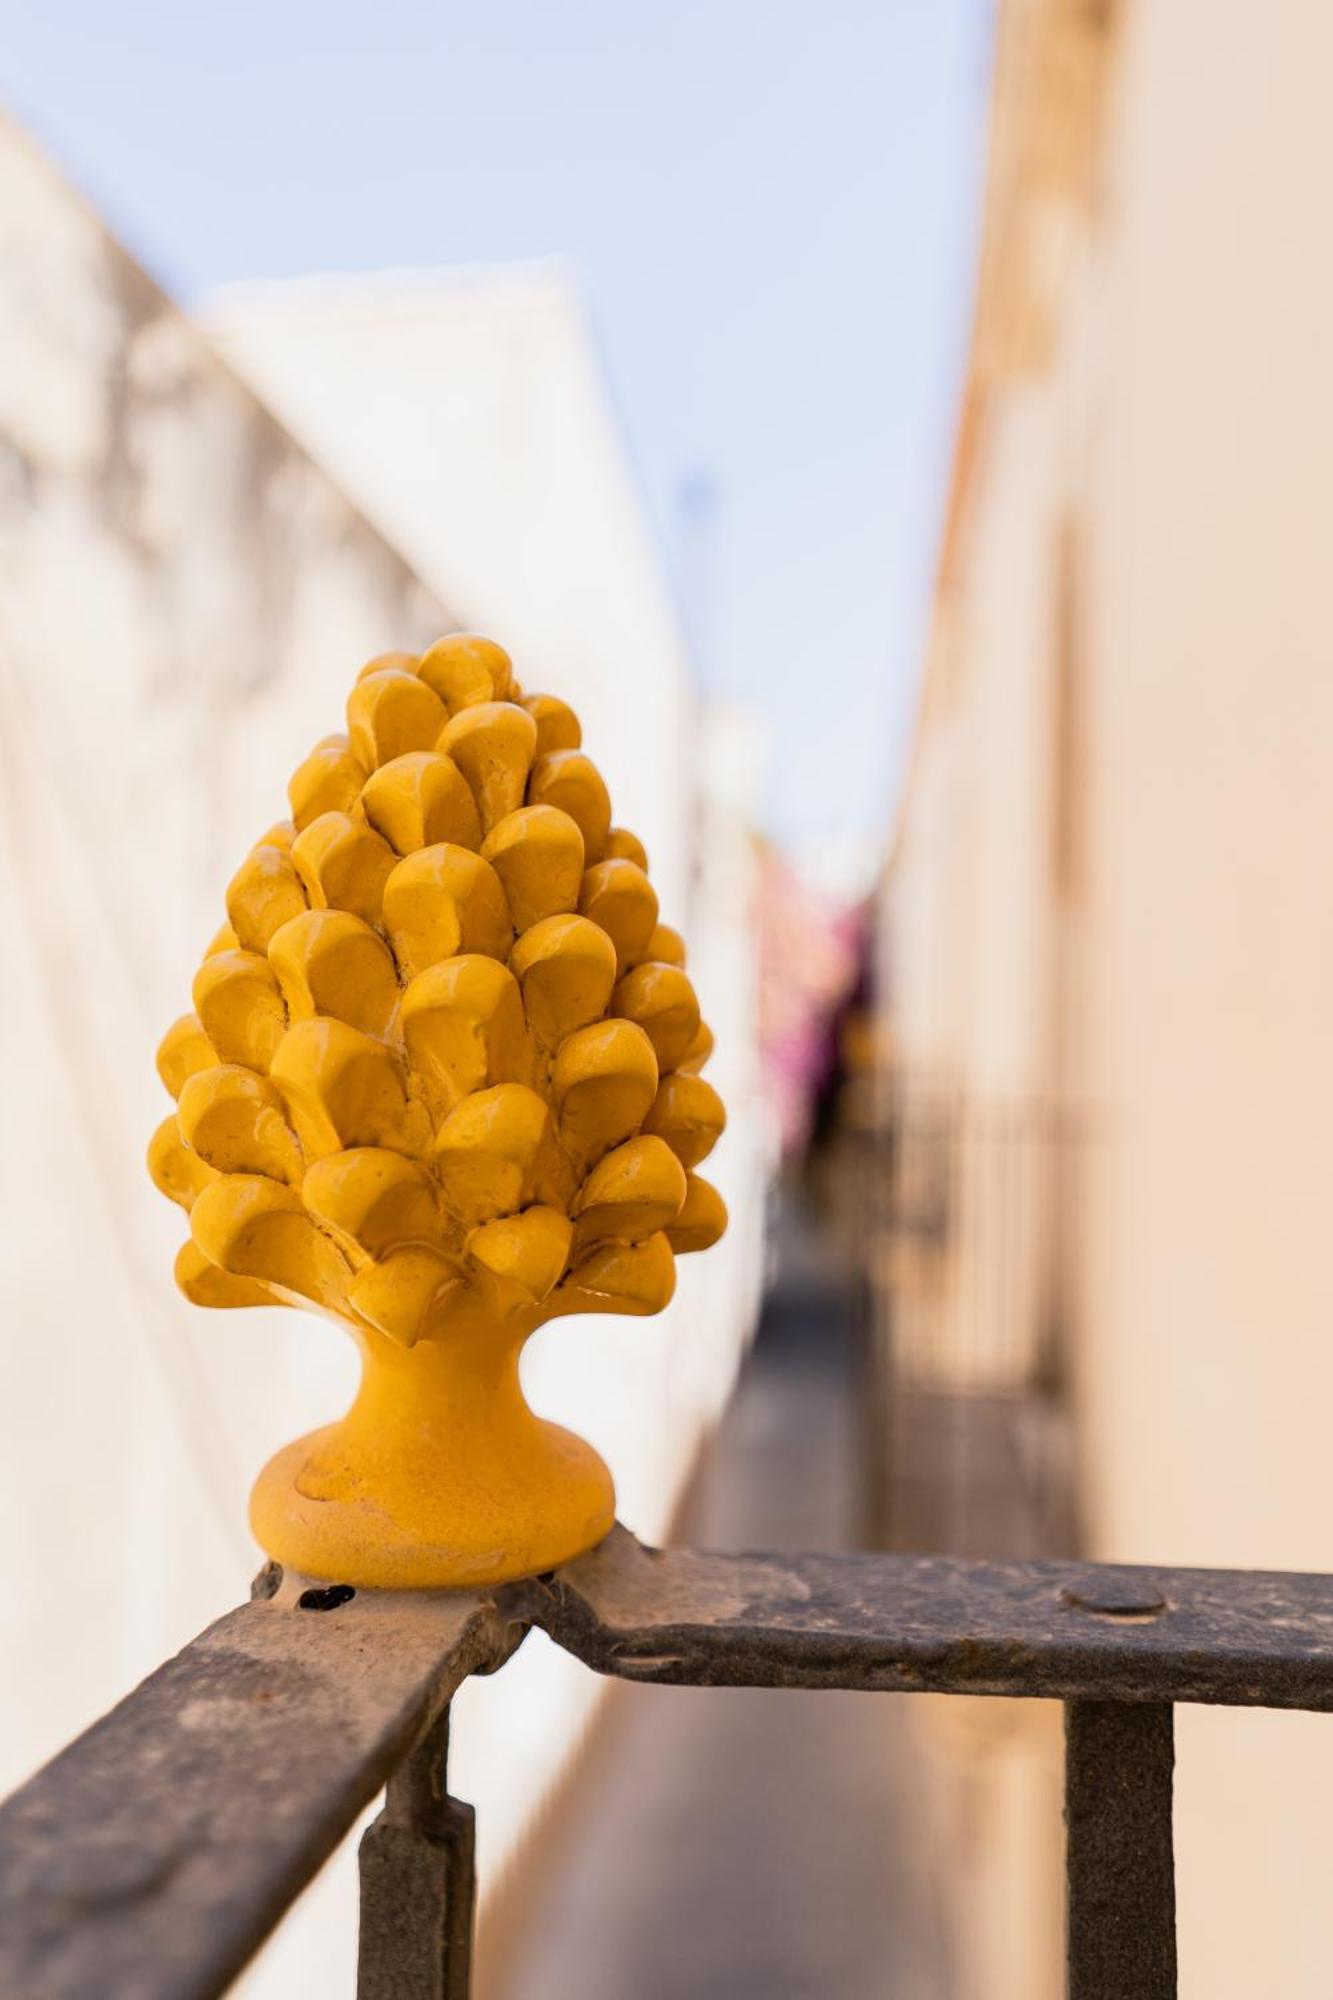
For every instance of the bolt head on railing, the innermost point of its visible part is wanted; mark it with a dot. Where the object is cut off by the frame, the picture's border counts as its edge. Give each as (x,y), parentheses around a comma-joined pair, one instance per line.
(441,1082)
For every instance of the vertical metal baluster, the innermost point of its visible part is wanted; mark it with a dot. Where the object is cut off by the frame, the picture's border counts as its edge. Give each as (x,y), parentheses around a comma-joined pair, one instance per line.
(1119,1758)
(418,1884)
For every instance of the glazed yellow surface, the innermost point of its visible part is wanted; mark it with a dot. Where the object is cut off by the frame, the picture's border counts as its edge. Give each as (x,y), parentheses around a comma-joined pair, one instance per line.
(441,1083)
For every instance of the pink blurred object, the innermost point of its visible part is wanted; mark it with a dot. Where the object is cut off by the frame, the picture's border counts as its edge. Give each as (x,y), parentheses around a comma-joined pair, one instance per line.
(810,953)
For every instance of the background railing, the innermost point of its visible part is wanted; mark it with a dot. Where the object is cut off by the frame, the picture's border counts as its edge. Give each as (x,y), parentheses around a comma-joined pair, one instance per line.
(958,1213)
(154,1855)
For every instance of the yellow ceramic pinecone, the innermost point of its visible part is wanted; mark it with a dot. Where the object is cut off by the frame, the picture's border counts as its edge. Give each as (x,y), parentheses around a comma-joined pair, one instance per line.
(443,1057)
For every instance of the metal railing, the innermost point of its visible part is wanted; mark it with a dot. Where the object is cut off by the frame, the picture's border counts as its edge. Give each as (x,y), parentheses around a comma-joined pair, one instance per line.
(155,1854)
(972,1228)
(958,1214)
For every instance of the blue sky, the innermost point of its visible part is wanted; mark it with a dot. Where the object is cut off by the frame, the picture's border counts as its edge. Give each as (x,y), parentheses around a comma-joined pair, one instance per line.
(772,205)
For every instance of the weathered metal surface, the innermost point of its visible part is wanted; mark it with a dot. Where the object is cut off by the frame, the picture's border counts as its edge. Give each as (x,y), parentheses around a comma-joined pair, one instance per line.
(1119,1760)
(152,1857)
(912,1623)
(418,1884)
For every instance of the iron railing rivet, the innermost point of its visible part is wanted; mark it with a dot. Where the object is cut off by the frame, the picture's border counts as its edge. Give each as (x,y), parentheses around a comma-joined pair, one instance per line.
(1113,1596)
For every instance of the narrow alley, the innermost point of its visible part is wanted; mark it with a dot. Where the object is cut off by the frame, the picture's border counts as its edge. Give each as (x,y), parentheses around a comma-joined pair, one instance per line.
(730,1844)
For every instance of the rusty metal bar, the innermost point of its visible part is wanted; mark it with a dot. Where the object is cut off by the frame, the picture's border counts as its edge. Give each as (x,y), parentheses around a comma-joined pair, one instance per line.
(1119,1760)
(1074,1631)
(418,1884)
(154,1855)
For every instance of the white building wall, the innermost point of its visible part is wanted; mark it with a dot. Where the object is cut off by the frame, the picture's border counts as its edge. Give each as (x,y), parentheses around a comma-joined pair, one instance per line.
(184,599)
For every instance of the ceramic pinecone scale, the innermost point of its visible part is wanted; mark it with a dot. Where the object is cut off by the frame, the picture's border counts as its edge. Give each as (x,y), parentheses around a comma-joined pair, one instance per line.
(441,1083)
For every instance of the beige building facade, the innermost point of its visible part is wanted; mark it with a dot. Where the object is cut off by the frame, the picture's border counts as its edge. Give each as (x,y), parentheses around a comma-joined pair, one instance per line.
(1110,897)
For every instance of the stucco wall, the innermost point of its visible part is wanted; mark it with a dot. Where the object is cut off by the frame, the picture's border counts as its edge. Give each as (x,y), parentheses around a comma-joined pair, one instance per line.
(1208,1362)
(184,599)
(1179,433)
